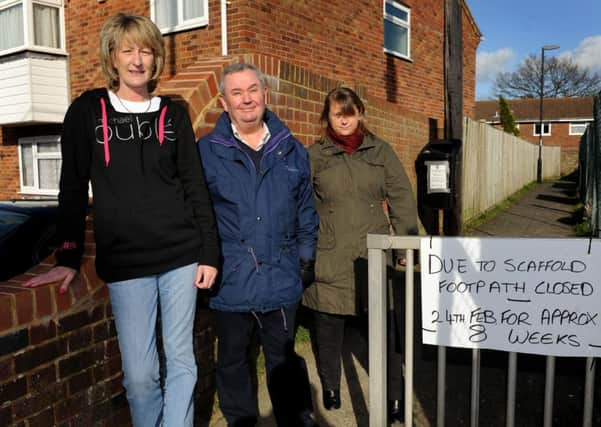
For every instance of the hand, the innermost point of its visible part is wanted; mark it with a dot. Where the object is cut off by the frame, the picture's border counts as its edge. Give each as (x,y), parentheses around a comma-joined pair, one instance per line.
(59,273)
(307,271)
(205,276)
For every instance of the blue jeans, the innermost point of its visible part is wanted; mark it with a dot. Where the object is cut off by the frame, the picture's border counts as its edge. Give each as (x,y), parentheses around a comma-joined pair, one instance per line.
(134,303)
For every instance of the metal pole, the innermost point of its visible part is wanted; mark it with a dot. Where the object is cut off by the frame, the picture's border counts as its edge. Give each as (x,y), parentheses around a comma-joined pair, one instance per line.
(475,406)
(409,286)
(512,369)
(549,390)
(589,389)
(539,164)
(377,337)
(441,387)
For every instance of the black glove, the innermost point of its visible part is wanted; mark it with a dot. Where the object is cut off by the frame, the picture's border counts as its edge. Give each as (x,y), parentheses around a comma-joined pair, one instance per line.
(307,271)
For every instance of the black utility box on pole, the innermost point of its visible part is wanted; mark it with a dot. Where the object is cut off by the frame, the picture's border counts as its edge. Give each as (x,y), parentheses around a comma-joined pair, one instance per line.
(437,168)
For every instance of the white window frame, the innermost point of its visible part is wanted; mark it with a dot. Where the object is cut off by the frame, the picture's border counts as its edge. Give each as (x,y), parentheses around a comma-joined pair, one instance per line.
(545,124)
(35,141)
(574,124)
(28,28)
(400,23)
(182,24)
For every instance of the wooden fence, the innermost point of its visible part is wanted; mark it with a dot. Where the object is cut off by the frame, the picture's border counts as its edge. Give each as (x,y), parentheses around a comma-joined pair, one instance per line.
(496,165)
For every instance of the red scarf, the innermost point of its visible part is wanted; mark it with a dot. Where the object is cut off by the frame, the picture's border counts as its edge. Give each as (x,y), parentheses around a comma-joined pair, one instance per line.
(349,143)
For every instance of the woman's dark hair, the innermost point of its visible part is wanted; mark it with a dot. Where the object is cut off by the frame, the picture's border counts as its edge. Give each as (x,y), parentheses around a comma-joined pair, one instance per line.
(349,102)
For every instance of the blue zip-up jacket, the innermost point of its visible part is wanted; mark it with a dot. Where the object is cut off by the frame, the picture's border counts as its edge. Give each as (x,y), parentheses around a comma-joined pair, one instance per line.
(266,219)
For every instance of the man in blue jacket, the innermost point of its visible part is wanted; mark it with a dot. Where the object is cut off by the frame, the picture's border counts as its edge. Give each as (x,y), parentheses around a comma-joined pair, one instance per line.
(258,176)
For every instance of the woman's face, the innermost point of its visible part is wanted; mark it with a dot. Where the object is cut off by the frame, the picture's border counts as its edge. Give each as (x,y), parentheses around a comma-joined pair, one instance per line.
(134,64)
(343,124)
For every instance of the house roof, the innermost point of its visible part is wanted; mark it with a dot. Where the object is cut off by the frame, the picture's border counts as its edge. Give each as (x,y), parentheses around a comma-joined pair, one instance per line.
(527,110)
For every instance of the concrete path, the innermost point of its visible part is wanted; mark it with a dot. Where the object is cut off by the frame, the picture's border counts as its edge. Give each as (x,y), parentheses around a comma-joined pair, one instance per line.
(546,211)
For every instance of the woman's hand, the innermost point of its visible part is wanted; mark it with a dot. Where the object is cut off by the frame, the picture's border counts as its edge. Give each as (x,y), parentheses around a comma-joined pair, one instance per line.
(205,276)
(61,274)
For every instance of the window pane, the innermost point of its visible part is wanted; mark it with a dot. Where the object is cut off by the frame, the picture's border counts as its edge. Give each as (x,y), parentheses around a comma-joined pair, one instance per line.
(49,170)
(49,147)
(27,164)
(166,13)
(193,9)
(11,24)
(396,12)
(395,38)
(46,26)
(577,128)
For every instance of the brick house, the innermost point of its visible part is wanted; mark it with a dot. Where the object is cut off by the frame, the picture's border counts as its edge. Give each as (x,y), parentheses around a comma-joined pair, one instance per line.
(58,354)
(564,122)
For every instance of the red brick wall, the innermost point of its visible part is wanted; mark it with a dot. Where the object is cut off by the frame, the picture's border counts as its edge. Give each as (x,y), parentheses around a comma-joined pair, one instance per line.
(343,41)
(338,40)
(9,164)
(84,19)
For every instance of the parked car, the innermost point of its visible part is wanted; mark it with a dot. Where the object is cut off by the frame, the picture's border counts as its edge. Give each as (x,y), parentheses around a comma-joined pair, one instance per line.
(27,235)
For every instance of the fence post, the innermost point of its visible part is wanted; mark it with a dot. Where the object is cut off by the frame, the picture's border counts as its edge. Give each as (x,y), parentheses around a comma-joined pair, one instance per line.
(377,337)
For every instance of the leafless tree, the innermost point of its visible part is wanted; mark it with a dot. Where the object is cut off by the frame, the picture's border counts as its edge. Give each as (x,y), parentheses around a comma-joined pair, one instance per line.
(563,78)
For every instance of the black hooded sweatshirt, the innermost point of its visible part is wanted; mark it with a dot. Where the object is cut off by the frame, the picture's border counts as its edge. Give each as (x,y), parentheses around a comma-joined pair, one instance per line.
(151,208)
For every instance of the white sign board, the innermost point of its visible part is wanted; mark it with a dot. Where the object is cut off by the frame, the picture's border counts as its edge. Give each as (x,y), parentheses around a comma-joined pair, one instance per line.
(438,176)
(540,296)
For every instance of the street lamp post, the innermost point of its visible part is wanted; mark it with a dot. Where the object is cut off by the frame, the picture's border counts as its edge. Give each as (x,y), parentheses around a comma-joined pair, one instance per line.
(539,164)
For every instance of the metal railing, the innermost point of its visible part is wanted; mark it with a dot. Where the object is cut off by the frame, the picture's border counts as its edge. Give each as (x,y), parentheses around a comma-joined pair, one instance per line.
(377,245)
(589,166)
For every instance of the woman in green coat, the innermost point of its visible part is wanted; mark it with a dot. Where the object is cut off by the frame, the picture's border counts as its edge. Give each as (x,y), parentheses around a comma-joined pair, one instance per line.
(360,187)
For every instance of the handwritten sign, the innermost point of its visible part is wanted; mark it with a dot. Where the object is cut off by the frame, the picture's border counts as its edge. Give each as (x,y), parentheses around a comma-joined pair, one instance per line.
(540,296)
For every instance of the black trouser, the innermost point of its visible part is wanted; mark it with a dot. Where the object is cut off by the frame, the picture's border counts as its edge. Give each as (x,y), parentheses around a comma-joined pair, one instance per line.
(329,330)
(287,378)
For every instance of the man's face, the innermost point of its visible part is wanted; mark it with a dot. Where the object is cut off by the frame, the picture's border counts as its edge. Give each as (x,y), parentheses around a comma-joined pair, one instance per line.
(244,100)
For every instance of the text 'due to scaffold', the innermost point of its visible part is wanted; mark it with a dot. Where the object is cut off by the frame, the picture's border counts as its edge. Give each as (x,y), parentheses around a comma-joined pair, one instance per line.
(539,296)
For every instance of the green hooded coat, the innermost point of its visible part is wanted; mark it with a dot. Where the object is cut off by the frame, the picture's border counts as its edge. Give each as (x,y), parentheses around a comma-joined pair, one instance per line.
(351,194)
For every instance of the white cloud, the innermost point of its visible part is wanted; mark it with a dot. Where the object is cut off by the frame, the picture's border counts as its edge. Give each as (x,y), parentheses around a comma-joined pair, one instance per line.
(489,64)
(587,54)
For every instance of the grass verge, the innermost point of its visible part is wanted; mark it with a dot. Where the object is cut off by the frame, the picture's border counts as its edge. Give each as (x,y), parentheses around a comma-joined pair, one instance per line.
(473,224)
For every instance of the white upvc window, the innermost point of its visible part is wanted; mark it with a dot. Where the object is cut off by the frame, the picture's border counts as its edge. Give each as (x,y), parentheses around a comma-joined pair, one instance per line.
(578,128)
(546,129)
(40,164)
(397,29)
(178,15)
(34,25)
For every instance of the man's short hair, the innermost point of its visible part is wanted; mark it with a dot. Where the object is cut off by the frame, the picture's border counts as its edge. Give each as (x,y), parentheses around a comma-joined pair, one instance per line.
(238,67)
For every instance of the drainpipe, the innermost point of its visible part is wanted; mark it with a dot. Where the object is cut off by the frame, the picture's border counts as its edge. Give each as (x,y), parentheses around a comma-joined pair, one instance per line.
(224,27)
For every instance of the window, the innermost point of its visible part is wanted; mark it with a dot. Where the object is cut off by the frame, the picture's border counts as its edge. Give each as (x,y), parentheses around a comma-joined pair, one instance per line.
(177,15)
(397,27)
(546,129)
(578,128)
(31,25)
(40,164)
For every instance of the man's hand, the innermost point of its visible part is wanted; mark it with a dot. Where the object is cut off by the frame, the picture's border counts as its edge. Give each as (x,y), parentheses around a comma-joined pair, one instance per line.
(61,274)
(205,276)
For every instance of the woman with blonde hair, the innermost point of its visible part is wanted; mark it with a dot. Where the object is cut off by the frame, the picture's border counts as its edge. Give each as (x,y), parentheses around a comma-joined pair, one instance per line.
(360,187)
(156,240)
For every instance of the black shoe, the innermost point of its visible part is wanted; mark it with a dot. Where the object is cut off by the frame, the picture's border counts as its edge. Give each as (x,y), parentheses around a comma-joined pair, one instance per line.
(331,399)
(396,411)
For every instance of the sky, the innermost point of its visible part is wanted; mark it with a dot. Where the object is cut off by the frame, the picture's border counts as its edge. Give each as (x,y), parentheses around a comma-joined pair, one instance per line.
(513,29)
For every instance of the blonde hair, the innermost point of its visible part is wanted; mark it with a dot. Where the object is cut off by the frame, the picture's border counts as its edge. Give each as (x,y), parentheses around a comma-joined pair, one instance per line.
(138,30)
